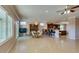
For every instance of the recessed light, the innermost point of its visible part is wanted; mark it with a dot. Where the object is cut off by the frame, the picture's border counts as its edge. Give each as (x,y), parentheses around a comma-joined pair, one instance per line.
(46,11)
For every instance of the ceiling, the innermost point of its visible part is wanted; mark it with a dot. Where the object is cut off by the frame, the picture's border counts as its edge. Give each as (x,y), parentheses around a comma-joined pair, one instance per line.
(41,12)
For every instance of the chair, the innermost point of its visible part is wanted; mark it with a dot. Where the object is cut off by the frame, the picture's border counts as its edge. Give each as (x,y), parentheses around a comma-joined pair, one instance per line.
(33,33)
(39,33)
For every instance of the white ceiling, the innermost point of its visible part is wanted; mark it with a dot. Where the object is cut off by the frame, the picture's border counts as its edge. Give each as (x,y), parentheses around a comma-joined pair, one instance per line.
(41,12)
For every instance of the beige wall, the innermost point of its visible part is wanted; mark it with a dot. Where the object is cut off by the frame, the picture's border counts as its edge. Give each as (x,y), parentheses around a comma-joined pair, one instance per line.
(77,28)
(6,47)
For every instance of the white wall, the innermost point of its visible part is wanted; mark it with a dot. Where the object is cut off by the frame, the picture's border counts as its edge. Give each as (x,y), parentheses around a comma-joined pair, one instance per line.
(71,28)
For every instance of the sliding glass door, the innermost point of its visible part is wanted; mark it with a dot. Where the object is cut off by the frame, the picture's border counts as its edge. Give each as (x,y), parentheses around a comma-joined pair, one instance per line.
(2,25)
(6,26)
(9,24)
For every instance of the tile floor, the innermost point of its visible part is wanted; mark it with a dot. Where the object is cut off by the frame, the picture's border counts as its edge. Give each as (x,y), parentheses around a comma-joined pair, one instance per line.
(45,45)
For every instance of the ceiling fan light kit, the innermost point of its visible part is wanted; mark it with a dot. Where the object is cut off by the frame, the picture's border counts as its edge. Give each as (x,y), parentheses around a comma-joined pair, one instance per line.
(68,9)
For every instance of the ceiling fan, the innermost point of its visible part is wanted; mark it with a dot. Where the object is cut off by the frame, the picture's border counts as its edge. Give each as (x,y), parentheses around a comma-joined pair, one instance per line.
(68,9)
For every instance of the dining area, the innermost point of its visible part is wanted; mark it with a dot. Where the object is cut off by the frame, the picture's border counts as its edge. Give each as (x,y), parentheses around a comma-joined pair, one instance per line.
(36,34)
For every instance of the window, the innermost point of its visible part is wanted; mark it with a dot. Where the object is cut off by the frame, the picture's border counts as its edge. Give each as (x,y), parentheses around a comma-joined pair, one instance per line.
(61,27)
(6,26)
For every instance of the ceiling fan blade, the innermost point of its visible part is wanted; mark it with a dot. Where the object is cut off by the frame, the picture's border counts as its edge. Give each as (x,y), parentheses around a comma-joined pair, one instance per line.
(75,7)
(72,10)
(62,13)
(68,8)
(63,9)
